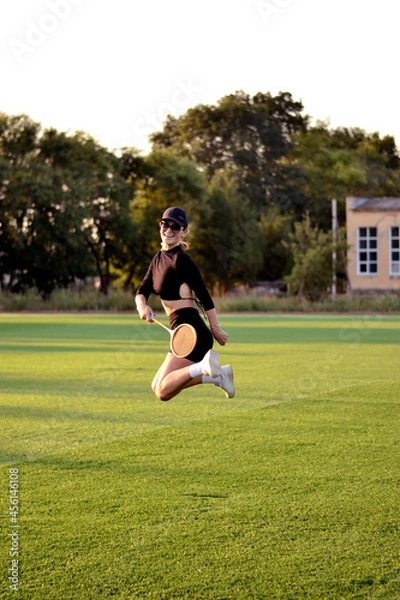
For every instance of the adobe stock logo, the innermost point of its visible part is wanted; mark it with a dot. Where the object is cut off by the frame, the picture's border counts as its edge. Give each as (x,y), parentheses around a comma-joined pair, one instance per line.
(271,8)
(46,24)
(184,96)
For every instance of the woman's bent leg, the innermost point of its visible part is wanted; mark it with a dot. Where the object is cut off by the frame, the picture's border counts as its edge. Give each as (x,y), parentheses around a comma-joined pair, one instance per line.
(172,377)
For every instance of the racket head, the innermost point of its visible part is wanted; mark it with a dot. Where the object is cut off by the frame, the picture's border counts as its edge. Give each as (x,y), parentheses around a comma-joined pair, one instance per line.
(183,340)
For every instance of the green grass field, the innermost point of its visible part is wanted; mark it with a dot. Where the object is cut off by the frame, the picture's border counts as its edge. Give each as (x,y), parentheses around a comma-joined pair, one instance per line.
(288,491)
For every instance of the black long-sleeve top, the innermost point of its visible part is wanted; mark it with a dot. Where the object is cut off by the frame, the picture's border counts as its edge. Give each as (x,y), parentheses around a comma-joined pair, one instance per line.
(167,271)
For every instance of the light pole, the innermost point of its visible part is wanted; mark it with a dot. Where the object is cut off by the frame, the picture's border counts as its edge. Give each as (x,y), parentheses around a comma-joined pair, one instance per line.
(334,238)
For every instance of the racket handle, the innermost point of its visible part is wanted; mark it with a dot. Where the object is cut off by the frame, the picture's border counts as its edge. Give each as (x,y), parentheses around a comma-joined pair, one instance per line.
(161,324)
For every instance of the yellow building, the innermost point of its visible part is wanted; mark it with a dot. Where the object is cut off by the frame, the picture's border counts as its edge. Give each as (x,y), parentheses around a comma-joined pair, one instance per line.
(373,234)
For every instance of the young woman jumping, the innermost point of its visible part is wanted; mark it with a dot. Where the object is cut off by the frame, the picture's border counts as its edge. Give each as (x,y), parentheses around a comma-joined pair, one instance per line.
(174,276)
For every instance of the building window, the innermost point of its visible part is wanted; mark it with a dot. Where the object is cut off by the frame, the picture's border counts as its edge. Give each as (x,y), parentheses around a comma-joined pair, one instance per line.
(367,251)
(394,250)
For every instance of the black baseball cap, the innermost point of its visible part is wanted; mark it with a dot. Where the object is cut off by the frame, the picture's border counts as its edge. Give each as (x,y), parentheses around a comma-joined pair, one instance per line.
(176,214)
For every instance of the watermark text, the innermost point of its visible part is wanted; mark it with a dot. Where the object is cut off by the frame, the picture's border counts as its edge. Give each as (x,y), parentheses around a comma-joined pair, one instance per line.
(14,528)
(37,31)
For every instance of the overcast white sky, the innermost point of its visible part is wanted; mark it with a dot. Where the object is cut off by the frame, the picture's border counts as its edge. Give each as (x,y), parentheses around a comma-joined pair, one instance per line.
(116,68)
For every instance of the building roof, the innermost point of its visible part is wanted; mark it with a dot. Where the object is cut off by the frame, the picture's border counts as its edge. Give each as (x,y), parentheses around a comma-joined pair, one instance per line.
(375,204)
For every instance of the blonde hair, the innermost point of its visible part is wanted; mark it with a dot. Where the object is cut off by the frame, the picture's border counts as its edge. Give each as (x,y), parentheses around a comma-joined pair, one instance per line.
(184,245)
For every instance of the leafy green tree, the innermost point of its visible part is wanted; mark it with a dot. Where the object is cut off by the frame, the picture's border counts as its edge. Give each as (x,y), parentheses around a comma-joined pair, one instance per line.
(18,137)
(49,250)
(344,162)
(228,245)
(102,195)
(249,135)
(64,207)
(312,272)
(275,228)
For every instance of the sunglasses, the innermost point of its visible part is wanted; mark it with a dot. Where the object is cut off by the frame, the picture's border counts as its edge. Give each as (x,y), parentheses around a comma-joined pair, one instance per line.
(170,225)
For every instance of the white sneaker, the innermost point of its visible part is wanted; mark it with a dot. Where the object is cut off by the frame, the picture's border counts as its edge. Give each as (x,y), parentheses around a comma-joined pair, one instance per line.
(227,381)
(211,364)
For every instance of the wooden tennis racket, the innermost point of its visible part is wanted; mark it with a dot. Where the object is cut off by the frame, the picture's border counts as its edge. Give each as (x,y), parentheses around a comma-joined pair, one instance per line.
(183,338)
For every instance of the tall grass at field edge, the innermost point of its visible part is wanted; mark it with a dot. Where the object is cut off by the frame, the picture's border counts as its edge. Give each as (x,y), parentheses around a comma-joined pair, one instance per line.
(120,300)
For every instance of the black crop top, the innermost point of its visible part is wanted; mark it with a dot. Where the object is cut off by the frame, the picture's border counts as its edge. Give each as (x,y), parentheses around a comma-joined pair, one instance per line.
(167,271)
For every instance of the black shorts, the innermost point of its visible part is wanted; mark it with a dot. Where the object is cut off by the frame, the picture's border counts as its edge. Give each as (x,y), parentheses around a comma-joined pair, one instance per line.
(205,339)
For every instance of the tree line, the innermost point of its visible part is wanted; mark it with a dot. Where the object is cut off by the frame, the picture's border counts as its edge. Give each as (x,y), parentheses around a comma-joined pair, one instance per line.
(255,177)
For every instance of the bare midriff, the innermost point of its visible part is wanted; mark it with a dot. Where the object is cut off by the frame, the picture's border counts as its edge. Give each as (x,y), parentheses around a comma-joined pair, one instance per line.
(185,301)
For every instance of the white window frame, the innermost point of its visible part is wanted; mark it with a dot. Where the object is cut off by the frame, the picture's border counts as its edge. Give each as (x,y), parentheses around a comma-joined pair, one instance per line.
(371,247)
(394,240)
